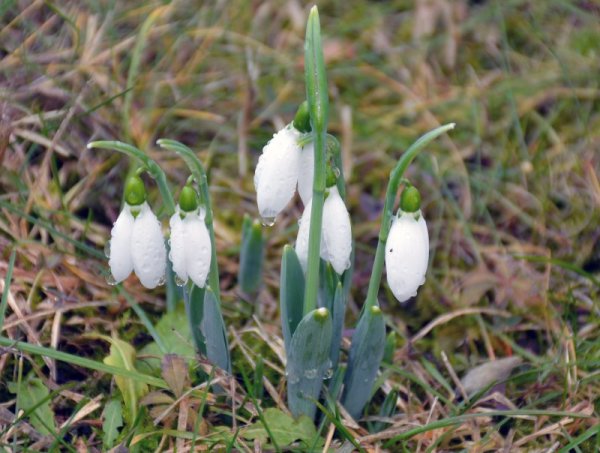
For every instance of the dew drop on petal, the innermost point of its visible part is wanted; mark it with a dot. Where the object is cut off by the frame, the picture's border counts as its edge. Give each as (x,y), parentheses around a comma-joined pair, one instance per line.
(267,221)
(107,249)
(179,281)
(111,280)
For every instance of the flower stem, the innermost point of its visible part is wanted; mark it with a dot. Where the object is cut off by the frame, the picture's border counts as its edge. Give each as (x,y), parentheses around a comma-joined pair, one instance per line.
(318,105)
(153,168)
(388,210)
(199,174)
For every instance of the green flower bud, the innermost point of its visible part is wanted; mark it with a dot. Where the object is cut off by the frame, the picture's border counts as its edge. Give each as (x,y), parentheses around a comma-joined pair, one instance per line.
(410,200)
(135,192)
(188,199)
(302,118)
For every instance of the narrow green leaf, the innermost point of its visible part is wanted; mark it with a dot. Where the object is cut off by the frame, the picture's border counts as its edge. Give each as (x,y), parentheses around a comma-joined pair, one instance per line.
(7,279)
(33,398)
(81,361)
(291,294)
(366,352)
(213,328)
(112,420)
(251,258)
(308,362)
(386,410)
(282,427)
(318,106)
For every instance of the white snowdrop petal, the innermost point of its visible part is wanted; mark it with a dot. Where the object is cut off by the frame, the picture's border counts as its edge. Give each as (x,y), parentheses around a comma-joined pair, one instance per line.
(336,239)
(148,248)
(306,171)
(276,173)
(198,249)
(178,246)
(302,238)
(407,255)
(119,260)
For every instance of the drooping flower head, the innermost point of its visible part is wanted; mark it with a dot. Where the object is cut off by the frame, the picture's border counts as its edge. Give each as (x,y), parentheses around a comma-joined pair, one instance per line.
(407,247)
(190,241)
(285,163)
(336,235)
(137,242)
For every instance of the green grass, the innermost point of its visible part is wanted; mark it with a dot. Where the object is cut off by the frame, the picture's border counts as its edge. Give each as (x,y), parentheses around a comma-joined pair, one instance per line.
(511,197)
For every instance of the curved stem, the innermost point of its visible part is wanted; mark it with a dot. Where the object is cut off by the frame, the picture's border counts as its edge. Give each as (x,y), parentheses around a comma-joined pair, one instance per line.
(199,174)
(318,105)
(396,177)
(153,168)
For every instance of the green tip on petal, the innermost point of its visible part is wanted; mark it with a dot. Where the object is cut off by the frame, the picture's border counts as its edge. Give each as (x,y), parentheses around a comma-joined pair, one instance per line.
(302,118)
(188,199)
(331,176)
(410,200)
(135,192)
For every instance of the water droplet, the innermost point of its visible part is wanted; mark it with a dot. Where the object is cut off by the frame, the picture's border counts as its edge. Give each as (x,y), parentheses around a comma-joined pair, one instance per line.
(161,281)
(328,373)
(311,373)
(107,249)
(179,281)
(293,379)
(267,221)
(336,172)
(111,280)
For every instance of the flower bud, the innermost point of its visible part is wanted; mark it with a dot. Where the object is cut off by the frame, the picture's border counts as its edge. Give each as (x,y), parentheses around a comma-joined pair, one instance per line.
(407,254)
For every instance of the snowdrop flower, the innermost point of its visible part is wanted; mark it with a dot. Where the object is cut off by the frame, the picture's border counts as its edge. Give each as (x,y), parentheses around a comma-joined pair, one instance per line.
(336,235)
(306,172)
(407,248)
(137,241)
(190,241)
(276,173)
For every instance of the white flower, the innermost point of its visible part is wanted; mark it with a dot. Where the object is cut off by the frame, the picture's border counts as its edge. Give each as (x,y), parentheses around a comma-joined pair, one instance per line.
(407,254)
(190,247)
(138,244)
(336,234)
(306,171)
(276,173)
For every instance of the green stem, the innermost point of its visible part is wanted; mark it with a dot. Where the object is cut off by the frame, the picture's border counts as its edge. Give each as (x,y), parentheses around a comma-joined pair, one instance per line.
(390,201)
(82,361)
(153,168)
(199,174)
(318,106)
(7,280)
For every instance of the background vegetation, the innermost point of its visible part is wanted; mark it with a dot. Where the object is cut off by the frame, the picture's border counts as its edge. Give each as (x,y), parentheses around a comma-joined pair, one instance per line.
(511,196)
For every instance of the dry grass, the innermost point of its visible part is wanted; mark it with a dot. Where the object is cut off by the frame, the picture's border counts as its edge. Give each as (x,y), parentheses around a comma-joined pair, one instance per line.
(512,199)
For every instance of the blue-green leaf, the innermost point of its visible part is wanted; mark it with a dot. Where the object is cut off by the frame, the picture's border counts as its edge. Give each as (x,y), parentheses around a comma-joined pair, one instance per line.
(366,352)
(338,311)
(195,312)
(291,294)
(251,256)
(308,361)
(213,328)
